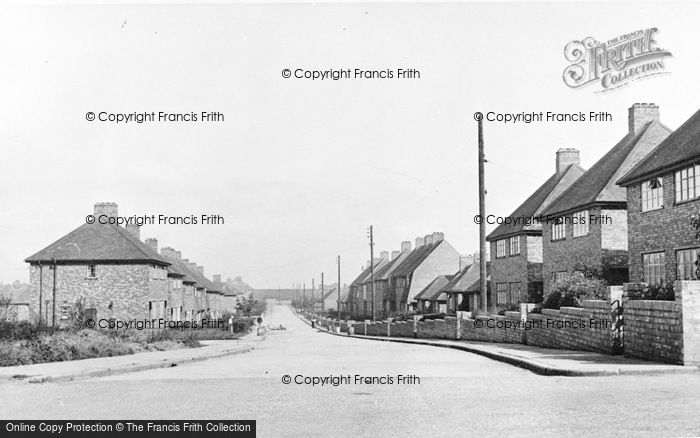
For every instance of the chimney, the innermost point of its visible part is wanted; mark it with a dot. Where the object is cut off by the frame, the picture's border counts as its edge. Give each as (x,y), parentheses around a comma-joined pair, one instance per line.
(420,241)
(395,254)
(405,246)
(640,114)
(428,239)
(134,230)
(384,255)
(108,209)
(169,253)
(438,237)
(200,268)
(152,243)
(466,260)
(567,157)
(217,278)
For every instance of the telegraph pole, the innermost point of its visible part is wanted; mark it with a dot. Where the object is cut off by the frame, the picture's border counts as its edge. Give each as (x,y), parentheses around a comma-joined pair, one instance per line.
(313,294)
(304,299)
(339,290)
(482,213)
(371,267)
(323,305)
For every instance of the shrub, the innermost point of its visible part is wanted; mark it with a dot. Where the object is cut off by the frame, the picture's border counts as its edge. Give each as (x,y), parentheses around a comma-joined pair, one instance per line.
(570,292)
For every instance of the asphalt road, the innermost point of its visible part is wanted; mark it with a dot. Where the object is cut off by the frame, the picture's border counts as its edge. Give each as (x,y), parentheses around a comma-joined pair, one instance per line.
(458,394)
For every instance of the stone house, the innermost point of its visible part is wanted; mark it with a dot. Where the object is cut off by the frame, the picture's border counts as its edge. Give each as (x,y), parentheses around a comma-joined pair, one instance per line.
(585,228)
(663,192)
(516,247)
(182,294)
(107,266)
(432,256)
(464,289)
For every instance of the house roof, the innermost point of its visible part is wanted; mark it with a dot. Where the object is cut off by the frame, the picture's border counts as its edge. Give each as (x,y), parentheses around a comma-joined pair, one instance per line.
(414,259)
(17,293)
(597,185)
(387,270)
(467,279)
(433,291)
(98,243)
(181,267)
(539,200)
(679,149)
(379,265)
(361,278)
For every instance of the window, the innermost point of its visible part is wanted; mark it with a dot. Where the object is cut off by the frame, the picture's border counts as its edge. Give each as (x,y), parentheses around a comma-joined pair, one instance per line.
(515,245)
(501,293)
(652,195)
(92,271)
(654,268)
(501,248)
(580,221)
(65,311)
(559,276)
(514,293)
(685,260)
(688,183)
(558,229)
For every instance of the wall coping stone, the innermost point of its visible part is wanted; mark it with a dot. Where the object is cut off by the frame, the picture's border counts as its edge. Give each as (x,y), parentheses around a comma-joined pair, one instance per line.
(551,312)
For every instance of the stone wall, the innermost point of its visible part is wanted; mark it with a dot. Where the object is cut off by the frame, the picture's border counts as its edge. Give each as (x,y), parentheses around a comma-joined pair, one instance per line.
(653,330)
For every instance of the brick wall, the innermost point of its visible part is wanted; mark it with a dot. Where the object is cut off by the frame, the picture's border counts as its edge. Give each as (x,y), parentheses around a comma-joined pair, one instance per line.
(653,330)
(665,229)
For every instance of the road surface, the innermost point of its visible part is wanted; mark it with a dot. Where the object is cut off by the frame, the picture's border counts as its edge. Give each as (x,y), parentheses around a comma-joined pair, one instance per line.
(451,393)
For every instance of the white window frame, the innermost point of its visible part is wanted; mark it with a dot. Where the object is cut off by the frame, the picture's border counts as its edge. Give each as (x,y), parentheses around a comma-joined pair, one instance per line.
(652,199)
(581,220)
(685,263)
(687,183)
(514,243)
(501,248)
(654,267)
(559,276)
(559,229)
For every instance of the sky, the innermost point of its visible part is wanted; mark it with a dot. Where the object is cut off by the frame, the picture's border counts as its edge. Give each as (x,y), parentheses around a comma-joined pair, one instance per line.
(299,169)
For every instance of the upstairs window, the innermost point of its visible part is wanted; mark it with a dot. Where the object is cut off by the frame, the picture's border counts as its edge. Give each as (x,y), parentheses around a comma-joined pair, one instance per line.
(580,222)
(501,248)
(558,229)
(515,245)
(652,195)
(654,268)
(688,183)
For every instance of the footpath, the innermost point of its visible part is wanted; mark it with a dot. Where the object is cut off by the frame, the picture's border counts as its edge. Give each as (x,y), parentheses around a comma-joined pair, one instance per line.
(107,366)
(545,361)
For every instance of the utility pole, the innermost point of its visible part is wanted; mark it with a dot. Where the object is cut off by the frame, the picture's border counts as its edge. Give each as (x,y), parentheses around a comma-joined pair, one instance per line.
(313,294)
(304,299)
(482,214)
(323,305)
(339,289)
(371,268)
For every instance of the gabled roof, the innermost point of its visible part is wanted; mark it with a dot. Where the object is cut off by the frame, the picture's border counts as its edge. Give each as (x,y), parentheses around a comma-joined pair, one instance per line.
(679,149)
(181,267)
(597,185)
(98,243)
(386,271)
(433,291)
(539,200)
(467,279)
(414,259)
(379,265)
(361,278)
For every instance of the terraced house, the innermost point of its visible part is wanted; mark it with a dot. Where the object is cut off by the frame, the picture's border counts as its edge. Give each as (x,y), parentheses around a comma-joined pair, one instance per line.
(663,192)
(516,247)
(585,228)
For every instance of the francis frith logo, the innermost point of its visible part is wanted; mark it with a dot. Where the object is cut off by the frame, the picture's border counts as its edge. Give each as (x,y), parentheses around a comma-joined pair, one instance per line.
(614,63)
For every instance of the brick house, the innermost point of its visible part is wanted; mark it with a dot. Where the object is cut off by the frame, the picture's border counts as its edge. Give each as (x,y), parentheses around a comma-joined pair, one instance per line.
(432,256)
(433,299)
(107,266)
(382,276)
(355,301)
(585,228)
(464,289)
(663,191)
(516,247)
(182,294)
(365,290)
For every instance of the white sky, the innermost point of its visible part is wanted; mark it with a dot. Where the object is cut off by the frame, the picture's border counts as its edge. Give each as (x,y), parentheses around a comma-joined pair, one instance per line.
(299,169)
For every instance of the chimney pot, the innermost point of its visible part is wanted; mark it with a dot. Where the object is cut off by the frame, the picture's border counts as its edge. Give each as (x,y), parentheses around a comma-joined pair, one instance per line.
(438,237)
(152,243)
(428,239)
(108,209)
(395,254)
(134,230)
(384,255)
(405,246)
(420,241)
(640,114)
(567,157)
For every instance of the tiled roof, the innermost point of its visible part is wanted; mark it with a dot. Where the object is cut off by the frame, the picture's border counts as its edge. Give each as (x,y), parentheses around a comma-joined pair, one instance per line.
(98,243)
(361,278)
(414,259)
(681,148)
(539,200)
(183,268)
(386,271)
(468,279)
(433,290)
(597,185)
(380,265)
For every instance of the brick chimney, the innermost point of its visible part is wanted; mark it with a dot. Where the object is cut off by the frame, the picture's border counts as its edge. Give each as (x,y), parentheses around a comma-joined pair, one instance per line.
(217,278)
(428,239)
(395,254)
(640,114)
(420,241)
(108,209)
(466,260)
(567,157)
(152,242)
(170,253)
(384,255)
(134,230)
(199,268)
(438,237)
(405,246)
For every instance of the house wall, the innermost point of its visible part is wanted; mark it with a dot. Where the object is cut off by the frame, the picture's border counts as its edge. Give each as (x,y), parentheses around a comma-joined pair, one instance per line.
(667,229)
(518,268)
(128,287)
(443,260)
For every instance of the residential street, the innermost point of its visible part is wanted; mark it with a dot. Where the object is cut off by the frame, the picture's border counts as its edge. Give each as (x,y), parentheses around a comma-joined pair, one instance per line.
(458,393)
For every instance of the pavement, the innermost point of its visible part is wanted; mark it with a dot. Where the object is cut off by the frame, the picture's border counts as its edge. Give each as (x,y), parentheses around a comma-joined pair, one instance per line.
(545,361)
(106,366)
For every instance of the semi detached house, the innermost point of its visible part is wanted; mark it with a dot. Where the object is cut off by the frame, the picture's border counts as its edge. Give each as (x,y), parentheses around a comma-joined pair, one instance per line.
(116,275)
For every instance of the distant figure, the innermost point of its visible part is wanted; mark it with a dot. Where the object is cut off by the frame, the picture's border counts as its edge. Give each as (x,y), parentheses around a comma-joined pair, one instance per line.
(230,324)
